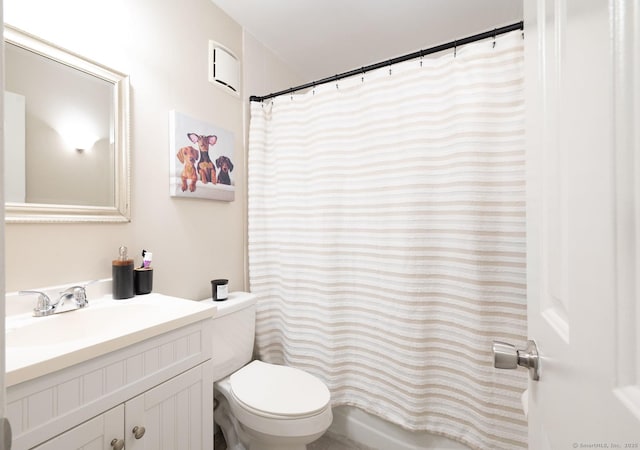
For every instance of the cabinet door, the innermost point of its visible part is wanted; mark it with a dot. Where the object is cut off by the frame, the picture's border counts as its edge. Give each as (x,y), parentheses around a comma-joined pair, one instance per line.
(94,434)
(176,415)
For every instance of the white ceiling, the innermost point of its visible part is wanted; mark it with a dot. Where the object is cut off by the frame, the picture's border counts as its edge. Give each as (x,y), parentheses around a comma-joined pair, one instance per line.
(320,38)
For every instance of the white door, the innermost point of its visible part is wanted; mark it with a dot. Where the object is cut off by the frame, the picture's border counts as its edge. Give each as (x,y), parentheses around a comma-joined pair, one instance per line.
(5,435)
(582,61)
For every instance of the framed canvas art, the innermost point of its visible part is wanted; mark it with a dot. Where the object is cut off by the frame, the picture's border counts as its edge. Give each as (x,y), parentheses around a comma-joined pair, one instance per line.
(201,156)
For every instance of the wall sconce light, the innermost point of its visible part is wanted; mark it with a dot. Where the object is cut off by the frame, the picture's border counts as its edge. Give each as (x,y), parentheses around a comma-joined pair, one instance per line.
(81,140)
(77,136)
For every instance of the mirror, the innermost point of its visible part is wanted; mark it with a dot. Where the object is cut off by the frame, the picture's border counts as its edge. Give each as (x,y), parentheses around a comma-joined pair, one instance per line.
(66,135)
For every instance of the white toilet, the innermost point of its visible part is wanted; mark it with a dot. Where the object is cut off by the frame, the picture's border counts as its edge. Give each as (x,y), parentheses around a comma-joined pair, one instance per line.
(261,406)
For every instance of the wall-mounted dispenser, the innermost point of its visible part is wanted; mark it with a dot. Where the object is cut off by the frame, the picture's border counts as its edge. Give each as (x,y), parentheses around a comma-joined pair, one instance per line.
(224,68)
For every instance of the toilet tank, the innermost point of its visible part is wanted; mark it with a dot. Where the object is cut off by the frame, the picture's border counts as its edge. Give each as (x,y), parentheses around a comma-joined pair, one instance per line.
(234,327)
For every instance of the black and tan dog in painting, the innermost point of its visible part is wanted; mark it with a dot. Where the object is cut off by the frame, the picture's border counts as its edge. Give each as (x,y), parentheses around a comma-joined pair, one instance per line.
(225,166)
(206,169)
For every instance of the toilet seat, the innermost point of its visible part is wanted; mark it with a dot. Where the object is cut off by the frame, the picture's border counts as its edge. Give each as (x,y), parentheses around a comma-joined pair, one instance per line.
(278,392)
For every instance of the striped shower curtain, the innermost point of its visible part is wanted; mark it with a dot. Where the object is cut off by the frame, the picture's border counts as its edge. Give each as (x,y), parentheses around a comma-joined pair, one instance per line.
(387,239)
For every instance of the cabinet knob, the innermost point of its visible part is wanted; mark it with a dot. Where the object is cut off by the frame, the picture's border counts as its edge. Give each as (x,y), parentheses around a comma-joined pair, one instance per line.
(117,444)
(138,432)
(5,433)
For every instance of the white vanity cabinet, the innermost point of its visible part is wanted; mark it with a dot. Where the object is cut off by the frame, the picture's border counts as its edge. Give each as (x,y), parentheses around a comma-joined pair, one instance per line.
(173,414)
(163,383)
(94,434)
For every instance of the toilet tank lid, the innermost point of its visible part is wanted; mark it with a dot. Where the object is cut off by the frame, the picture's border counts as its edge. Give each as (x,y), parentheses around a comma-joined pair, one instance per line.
(234,302)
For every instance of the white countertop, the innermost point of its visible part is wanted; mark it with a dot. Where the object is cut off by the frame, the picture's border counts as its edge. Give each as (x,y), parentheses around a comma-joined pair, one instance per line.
(37,346)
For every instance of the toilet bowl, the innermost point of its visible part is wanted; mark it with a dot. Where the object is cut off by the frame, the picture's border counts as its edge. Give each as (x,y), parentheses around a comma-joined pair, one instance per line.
(274,407)
(261,406)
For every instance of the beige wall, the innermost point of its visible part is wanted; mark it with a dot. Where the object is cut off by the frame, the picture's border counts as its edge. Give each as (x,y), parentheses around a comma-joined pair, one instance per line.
(163,47)
(265,72)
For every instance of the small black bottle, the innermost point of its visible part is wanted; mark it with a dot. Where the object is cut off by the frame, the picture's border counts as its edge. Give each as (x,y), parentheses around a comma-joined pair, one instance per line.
(122,276)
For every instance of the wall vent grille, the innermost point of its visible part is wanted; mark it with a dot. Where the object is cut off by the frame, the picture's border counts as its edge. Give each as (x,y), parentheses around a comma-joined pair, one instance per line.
(224,68)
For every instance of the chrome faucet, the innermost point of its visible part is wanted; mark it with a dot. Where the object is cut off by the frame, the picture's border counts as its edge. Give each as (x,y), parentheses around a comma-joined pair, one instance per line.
(45,307)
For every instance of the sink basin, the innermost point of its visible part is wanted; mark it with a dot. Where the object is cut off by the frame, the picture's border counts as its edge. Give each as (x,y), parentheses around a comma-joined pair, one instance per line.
(78,325)
(36,346)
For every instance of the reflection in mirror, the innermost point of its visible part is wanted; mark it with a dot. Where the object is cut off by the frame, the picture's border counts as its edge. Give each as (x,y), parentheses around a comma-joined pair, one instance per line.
(66,132)
(66,139)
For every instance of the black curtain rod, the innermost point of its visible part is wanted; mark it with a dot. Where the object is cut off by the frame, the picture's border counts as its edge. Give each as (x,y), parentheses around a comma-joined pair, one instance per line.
(399,59)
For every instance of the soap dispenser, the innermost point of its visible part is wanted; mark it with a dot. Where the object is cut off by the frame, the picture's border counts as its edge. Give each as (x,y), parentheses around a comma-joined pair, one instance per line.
(122,275)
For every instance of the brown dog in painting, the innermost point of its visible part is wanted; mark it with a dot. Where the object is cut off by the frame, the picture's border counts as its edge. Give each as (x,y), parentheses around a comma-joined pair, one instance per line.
(206,169)
(188,156)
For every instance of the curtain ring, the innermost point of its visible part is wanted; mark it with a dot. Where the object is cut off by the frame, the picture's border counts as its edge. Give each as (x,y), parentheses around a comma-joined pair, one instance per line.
(421,57)
(494,38)
(390,70)
(455,48)
(313,92)
(362,77)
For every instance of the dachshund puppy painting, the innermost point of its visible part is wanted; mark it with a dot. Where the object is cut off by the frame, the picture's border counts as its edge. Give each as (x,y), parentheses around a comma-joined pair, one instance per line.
(188,156)
(206,169)
(225,165)
(201,168)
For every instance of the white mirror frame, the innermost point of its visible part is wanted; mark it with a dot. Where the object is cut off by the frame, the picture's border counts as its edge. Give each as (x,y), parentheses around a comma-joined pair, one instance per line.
(121,210)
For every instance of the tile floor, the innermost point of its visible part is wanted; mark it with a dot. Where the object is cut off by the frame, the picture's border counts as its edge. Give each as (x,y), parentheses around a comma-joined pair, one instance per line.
(326,442)
(334,442)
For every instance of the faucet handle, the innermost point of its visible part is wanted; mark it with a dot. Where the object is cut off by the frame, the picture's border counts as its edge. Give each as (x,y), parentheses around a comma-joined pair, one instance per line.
(79,294)
(43,306)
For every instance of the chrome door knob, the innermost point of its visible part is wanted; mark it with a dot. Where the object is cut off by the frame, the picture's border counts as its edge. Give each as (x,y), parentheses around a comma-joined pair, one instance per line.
(506,356)
(117,444)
